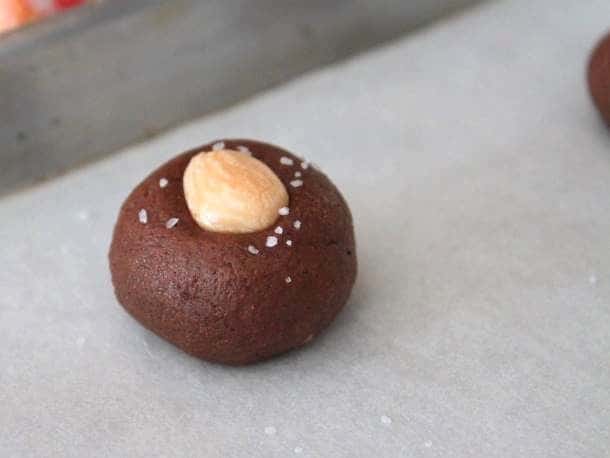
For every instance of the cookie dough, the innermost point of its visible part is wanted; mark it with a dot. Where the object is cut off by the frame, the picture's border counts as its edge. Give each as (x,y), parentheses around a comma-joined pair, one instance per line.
(599,77)
(249,254)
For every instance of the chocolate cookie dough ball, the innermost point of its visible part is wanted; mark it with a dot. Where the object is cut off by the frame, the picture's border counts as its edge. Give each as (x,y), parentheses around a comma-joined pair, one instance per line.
(235,251)
(599,77)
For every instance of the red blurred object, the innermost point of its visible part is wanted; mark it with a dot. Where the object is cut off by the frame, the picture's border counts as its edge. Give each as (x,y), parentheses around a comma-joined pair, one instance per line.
(65,4)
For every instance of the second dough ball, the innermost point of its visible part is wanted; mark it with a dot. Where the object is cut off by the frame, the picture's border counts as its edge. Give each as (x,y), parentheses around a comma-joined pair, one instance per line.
(599,77)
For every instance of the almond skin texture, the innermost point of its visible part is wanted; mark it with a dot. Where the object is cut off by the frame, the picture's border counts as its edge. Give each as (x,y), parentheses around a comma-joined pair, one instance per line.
(225,297)
(232,192)
(599,77)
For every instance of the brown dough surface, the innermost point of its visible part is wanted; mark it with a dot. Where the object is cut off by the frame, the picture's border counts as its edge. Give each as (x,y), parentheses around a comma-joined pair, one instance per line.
(599,77)
(205,293)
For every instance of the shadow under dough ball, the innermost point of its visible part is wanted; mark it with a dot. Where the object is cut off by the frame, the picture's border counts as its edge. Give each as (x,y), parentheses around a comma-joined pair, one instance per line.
(599,77)
(234,298)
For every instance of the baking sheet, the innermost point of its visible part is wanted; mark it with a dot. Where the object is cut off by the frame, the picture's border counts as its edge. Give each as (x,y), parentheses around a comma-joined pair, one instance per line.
(479,179)
(135,68)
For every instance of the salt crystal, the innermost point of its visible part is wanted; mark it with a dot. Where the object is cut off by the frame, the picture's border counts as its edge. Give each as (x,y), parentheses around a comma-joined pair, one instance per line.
(271,241)
(296,183)
(252,249)
(279,230)
(143,216)
(244,149)
(288,280)
(304,165)
(297,224)
(286,161)
(297,174)
(218,146)
(289,242)
(171,222)
(284,211)
(163,182)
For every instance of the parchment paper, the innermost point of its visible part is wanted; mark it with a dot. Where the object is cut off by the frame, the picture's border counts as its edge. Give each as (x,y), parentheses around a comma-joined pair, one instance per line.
(478,174)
